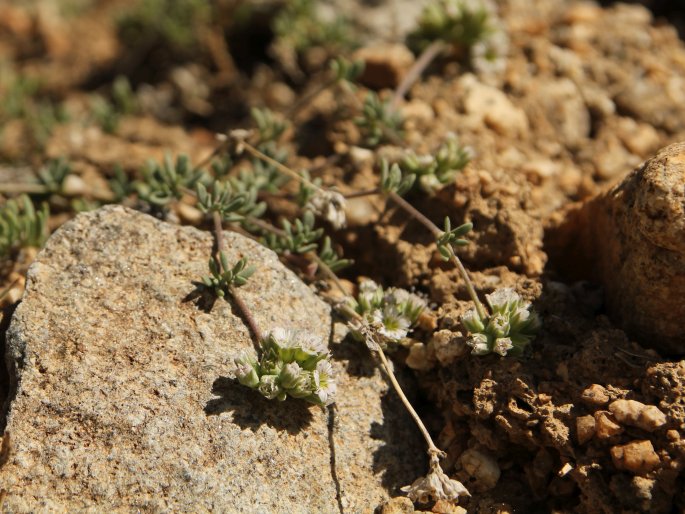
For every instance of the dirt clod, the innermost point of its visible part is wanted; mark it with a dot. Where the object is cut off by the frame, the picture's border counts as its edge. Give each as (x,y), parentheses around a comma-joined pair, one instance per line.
(637,457)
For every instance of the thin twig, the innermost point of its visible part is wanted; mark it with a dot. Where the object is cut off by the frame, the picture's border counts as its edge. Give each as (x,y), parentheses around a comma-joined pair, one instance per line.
(308,97)
(359,194)
(433,228)
(268,227)
(426,57)
(219,234)
(15,188)
(247,314)
(279,166)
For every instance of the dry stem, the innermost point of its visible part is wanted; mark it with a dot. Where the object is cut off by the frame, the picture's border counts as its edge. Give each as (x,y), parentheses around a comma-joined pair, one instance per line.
(426,57)
(433,228)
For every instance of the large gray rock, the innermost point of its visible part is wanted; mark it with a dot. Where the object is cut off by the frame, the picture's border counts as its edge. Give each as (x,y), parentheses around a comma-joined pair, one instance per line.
(120,398)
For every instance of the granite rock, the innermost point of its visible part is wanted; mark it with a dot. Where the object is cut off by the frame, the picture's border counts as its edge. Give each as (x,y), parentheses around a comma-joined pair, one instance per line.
(121,399)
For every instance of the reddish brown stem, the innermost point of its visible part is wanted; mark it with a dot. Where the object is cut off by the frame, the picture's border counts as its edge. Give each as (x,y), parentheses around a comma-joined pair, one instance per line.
(242,306)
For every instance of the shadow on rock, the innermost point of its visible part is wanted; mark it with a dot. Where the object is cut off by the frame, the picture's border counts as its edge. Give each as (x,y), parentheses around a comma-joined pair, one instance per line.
(400,459)
(251,410)
(203,297)
(355,356)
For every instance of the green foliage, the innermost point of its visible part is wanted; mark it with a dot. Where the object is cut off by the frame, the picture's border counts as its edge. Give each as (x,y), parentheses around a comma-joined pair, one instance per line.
(269,126)
(231,200)
(53,175)
(21,225)
(510,327)
(171,22)
(452,237)
(331,258)
(108,113)
(123,96)
(104,113)
(344,70)
(165,182)
(222,166)
(306,192)
(394,180)
(461,23)
(297,26)
(120,184)
(291,364)
(436,171)
(21,100)
(379,123)
(263,176)
(222,277)
(298,237)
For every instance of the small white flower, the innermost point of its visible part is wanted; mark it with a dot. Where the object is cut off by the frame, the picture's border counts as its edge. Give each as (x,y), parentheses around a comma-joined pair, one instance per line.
(479,344)
(324,367)
(282,336)
(391,323)
(290,375)
(324,383)
(500,299)
(502,346)
(312,344)
(330,205)
(368,287)
(269,387)
(246,371)
(498,325)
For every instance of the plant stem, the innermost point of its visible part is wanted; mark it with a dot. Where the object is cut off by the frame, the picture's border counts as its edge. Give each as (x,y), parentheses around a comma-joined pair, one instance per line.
(359,194)
(308,97)
(433,228)
(20,188)
(432,449)
(245,311)
(268,227)
(15,188)
(279,166)
(426,57)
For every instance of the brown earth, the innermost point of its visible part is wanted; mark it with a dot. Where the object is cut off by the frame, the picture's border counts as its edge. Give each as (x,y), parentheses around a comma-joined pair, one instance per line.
(588,94)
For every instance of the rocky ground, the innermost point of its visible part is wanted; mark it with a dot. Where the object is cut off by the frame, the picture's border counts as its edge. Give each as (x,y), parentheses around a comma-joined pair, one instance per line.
(564,208)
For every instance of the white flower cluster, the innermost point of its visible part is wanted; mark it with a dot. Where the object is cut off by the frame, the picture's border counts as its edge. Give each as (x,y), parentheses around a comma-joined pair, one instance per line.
(292,364)
(329,205)
(511,326)
(392,312)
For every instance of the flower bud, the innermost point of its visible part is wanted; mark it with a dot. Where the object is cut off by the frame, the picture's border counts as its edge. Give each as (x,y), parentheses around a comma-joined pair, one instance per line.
(268,386)
(290,377)
(246,370)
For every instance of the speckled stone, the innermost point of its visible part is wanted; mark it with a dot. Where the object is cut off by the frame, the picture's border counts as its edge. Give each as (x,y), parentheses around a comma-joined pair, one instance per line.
(631,240)
(121,400)
(641,248)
